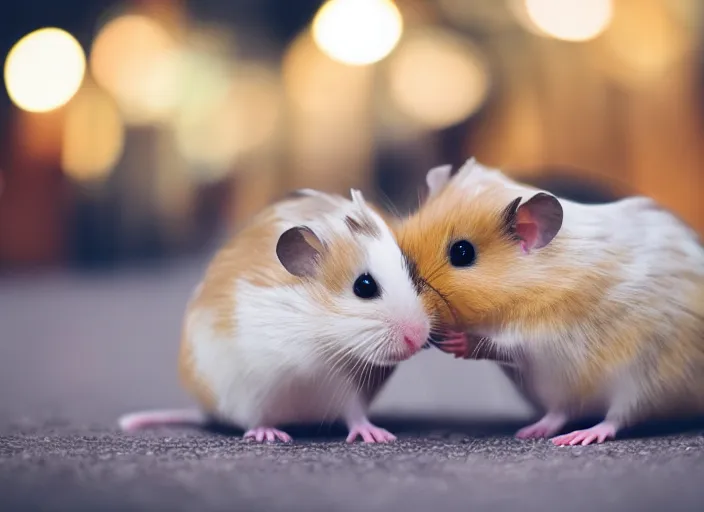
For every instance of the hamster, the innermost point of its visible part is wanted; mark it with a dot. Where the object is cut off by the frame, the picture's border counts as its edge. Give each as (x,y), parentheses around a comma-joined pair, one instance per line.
(300,318)
(599,307)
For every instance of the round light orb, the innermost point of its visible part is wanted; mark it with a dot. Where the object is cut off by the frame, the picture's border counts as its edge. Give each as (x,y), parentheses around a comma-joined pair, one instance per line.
(44,70)
(93,137)
(357,32)
(136,60)
(437,78)
(570,20)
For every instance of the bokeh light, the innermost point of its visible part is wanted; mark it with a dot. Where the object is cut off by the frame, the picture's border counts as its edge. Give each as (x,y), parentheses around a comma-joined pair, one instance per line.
(437,78)
(93,136)
(213,139)
(570,20)
(644,39)
(357,32)
(44,70)
(136,60)
(310,75)
(477,14)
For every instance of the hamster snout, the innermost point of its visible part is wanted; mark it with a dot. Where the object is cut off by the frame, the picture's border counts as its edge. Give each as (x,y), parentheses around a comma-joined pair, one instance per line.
(410,339)
(415,335)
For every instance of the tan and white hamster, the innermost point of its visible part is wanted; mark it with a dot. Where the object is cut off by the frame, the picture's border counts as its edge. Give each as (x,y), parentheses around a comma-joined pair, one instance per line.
(300,318)
(600,307)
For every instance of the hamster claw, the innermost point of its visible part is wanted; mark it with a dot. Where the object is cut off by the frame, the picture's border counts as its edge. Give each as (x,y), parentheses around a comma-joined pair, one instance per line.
(548,425)
(267,434)
(370,434)
(597,434)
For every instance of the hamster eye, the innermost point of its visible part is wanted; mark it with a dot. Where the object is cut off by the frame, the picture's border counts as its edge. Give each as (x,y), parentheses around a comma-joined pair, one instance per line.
(462,254)
(365,287)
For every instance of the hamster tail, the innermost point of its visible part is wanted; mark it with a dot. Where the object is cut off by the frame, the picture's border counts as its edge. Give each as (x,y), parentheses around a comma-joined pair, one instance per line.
(162,417)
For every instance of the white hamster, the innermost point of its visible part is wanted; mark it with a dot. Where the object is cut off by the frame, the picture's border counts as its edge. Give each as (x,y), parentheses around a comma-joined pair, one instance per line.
(300,318)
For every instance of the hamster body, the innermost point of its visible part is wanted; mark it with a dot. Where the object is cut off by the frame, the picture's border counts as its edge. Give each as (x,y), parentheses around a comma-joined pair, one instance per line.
(301,318)
(599,307)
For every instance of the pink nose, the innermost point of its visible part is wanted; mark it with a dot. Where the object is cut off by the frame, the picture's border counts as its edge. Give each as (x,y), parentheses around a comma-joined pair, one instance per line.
(415,334)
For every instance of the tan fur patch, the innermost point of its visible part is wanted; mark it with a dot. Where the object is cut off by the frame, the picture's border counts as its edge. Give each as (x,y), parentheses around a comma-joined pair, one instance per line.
(501,287)
(245,255)
(193,382)
(550,293)
(340,264)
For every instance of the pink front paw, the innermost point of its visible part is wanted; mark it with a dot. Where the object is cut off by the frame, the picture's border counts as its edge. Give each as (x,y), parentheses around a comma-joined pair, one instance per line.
(270,435)
(547,426)
(598,433)
(370,434)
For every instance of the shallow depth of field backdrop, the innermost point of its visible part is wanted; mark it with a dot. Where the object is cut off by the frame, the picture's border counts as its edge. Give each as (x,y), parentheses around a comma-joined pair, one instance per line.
(134,135)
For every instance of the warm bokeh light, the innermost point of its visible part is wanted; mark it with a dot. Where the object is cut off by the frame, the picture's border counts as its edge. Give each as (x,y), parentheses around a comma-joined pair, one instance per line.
(309,76)
(644,39)
(437,78)
(328,121)
(357,32)
(570,20)
(44,70)
(480,14)
(135,59)
(93,135)
(213,139)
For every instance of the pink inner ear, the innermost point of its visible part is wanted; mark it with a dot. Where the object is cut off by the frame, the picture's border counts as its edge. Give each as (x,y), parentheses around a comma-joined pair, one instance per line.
(528,233)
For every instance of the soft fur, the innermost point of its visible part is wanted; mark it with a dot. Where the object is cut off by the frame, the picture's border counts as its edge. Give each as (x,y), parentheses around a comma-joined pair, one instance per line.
(607,318)
(263,347)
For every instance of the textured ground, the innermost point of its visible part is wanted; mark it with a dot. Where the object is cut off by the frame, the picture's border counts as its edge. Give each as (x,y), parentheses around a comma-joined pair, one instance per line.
(69,468)
(87,349)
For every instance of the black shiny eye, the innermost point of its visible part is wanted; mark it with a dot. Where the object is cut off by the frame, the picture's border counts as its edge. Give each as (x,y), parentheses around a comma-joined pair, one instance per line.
(462,254)
(365,287)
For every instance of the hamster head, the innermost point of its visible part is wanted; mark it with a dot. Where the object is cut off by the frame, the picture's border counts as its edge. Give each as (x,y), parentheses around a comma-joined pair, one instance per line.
(349,263)
(483,243)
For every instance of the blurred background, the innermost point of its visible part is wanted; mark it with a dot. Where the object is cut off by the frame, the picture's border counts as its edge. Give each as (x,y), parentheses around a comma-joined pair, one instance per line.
(134,134)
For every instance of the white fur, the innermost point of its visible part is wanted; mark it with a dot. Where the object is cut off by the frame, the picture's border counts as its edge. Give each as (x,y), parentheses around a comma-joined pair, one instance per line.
(283,364)
(437,178)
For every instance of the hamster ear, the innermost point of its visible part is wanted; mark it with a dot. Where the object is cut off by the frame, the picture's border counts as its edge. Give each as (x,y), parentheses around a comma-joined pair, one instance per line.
(437,178)
(299,251)
(358,198)
(537,221)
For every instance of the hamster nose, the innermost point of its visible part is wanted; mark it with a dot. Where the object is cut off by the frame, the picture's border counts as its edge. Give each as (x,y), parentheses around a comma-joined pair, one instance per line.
(415,334)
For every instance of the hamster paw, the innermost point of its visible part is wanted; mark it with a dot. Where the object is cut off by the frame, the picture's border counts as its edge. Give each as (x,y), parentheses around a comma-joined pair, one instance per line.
(267,434)
(548,425)
(370,434)
(598,433)
(455,344)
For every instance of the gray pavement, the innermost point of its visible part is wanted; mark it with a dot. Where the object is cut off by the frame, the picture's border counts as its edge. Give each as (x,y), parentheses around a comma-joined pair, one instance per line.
(77,351)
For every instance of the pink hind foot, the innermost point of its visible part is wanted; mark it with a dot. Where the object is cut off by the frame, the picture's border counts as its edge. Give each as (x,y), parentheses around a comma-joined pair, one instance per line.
(548,425)
(598,433)
(270,435)
(370,433)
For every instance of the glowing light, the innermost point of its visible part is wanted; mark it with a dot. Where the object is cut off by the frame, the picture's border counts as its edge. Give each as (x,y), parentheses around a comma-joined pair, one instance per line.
(246,119)
(135,59)
(44,70)
(570,20)
(93,136)
(357,32)
(483,14)
(309,75)
(437,79)
(641,43)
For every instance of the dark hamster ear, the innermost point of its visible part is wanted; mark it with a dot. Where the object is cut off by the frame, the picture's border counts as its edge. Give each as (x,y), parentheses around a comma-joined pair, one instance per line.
(535,222)
(299,251)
